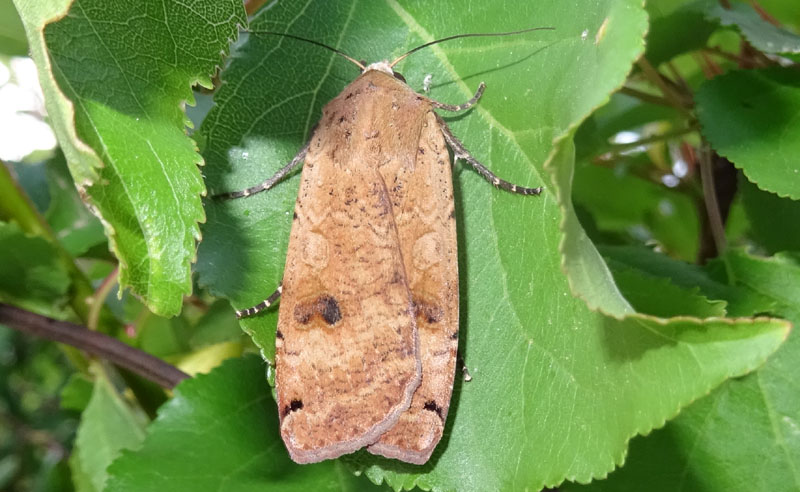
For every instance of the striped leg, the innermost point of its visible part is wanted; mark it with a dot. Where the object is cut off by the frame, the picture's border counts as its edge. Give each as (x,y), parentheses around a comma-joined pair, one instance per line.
(460,107)
(296,161)
(269,301)
(461,153)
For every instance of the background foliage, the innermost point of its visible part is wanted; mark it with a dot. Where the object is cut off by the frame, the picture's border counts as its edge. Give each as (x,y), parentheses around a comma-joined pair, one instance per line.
(638,313)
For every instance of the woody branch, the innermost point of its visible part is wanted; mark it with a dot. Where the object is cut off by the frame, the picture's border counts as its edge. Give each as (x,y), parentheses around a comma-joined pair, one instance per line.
(95,343)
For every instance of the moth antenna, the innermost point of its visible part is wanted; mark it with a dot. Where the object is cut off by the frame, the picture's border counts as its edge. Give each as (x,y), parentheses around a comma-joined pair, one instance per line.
(469,35)
(331,48)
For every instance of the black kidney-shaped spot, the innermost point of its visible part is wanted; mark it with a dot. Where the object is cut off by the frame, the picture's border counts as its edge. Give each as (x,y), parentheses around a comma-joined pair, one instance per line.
(293,406)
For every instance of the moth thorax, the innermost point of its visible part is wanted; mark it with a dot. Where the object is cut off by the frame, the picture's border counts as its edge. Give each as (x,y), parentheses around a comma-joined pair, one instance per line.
(382,66)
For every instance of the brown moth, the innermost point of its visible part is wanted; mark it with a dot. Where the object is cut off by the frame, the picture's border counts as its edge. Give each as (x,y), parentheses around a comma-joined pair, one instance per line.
(367,335)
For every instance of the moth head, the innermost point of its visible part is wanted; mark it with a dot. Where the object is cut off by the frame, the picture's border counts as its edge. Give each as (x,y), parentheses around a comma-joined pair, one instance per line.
(385,67)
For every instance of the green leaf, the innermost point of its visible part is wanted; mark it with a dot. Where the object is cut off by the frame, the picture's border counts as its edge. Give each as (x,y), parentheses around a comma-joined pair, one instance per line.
(9,468)
(784,10)
(217,325)
(658,296)
(83,162)
(768,214)
(108,425)
(532,348)
(750,117)
(220,433)
(12,33)
(77,393)
(777,278)
(31,276)
(622,202)
(689,19)
(49,185)
(744,435)
(127,91)
(761,34)
(689,276)
(163,336)
(207,358)
(74,226)
(32,178)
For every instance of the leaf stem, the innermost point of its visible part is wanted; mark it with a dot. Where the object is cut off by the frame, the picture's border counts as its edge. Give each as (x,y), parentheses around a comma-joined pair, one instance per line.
(678,77)
(715,50)
(99,344)
(675,99)
(710,199)
(98,300)
(16,206)
(644,96)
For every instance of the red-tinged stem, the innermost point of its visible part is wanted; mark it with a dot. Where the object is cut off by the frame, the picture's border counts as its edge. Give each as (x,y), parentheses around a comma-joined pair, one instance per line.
(93,342)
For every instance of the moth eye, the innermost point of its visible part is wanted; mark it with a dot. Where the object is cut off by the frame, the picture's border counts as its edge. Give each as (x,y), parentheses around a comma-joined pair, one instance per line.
(399,76)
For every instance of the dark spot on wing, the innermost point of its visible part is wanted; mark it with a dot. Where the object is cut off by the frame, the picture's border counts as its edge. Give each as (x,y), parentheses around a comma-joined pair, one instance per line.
(431,406)
(294,406)
(325,306)
(428,311)
(329,309)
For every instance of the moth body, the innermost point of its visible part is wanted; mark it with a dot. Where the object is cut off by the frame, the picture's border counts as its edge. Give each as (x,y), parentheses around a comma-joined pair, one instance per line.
(373,240)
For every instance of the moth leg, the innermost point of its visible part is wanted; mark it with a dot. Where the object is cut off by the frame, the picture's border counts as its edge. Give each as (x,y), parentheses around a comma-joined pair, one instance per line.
(426,83)
(464,370)
(269,301)
(462,153)
(296,161)
(460,107)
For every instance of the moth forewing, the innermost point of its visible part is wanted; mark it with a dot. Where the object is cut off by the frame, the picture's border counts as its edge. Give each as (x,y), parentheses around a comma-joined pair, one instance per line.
(347,358)
(425,216)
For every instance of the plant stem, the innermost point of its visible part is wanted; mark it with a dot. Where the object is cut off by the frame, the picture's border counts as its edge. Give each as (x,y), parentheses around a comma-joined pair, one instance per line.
(644,96)
(677,76)
(710,199)
(99,344)
(715,50)
(675,99)
(98,300)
